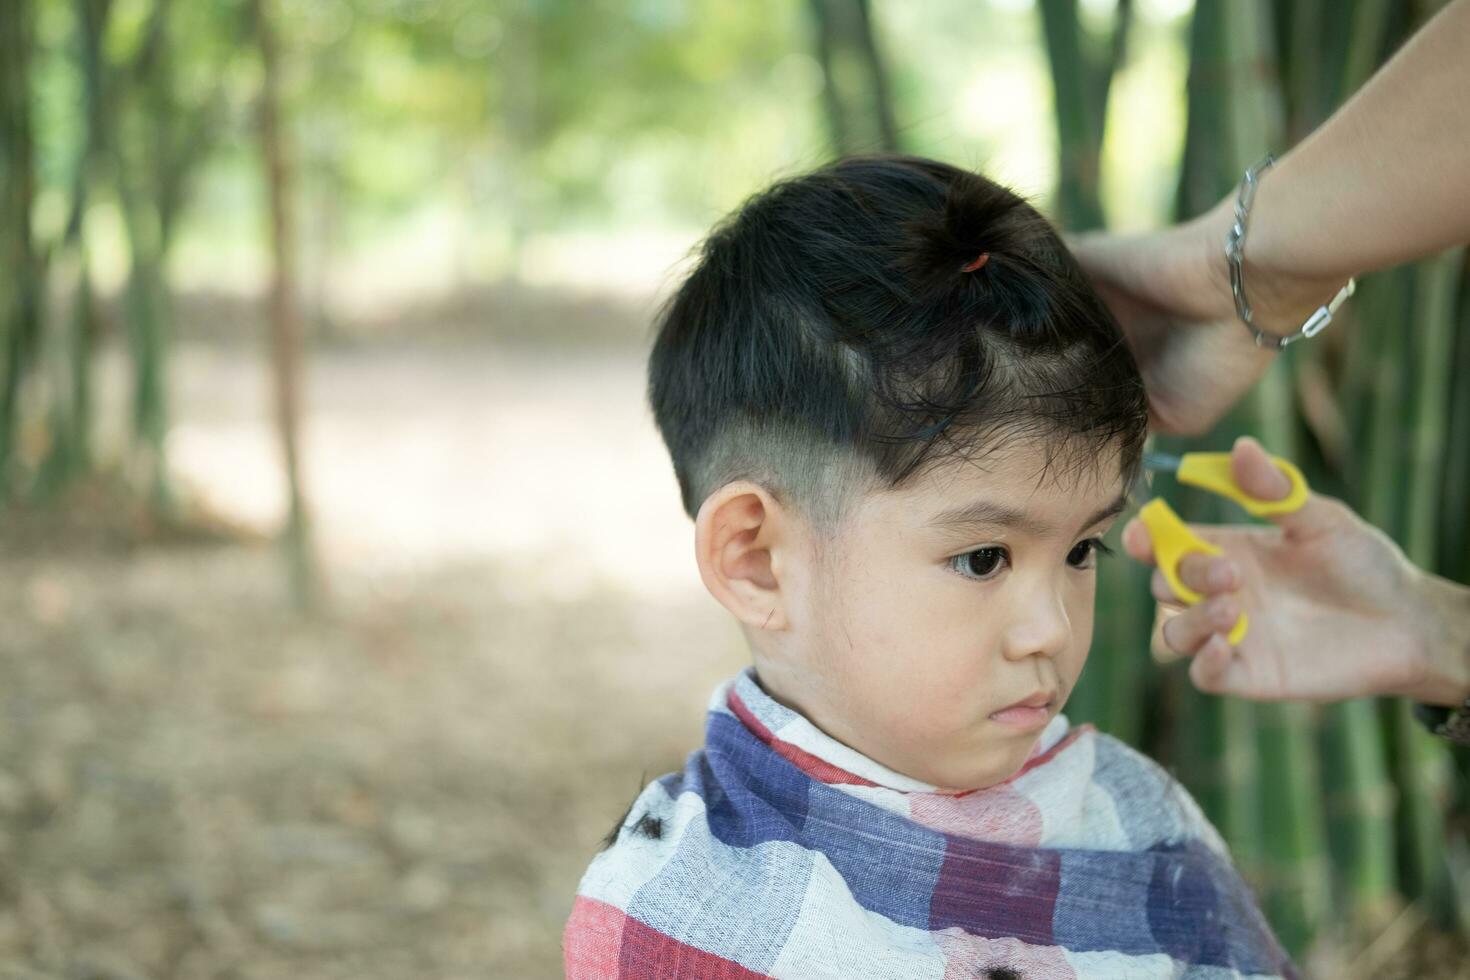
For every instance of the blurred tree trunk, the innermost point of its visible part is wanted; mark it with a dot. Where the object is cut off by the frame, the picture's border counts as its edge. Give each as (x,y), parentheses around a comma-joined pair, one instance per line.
(154,135)
(23,263)
(148,306)
(323,168)
(1081,81)
(326,229)
(520,66)
(71,410)
(285,325)
(856,92)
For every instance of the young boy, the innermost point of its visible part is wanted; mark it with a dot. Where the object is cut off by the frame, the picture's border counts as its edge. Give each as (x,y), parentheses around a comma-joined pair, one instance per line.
(902,422)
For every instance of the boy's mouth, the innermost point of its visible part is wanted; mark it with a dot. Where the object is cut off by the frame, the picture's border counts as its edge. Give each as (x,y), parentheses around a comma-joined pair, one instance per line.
(1031,712)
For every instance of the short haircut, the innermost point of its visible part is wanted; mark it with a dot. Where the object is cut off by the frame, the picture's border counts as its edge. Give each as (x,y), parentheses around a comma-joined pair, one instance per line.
(840,334)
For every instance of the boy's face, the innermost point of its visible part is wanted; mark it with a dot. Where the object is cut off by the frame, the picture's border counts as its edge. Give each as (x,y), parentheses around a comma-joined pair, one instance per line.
(937,606)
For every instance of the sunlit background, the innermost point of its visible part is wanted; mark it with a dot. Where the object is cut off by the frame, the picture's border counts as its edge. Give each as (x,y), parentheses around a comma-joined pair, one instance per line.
(381,733)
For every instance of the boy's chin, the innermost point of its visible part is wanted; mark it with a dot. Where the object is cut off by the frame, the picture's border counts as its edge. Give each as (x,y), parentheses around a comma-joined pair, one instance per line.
(1005,763)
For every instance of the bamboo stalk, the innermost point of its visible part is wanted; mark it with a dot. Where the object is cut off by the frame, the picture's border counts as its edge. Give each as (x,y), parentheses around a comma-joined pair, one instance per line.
(1128,629)
(857,96)
(1366,41)
(1295,886)
(1296,891)
(285,319)
(1109,692)
(1204,170)
(1219,769)
(1216,744)
(20,304)
(1381,503)
(1383,456)
(1079,134)
(1304,66)
(1454,559)
(1359,801)
(1361,798)
(1423,766)
(1437,285)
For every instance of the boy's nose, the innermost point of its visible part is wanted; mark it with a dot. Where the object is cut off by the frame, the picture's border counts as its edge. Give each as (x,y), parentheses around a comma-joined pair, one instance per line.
(1040,627)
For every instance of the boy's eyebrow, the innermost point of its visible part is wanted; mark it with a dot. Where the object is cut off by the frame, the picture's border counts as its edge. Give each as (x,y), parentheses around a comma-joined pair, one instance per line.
(990,514)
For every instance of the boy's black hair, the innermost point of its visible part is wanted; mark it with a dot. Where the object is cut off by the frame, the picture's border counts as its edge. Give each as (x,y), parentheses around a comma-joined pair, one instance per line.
(828,342)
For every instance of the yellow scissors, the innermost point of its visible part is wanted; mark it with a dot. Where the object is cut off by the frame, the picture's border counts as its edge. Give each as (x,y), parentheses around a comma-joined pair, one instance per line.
(1173,539)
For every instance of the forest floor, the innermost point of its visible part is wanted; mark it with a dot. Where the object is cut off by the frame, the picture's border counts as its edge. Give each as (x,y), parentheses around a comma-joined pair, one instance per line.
(196,782)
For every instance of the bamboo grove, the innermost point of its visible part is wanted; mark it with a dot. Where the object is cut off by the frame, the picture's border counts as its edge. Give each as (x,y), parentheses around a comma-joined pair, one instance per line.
(158,88)
(1348,816)
(140,143)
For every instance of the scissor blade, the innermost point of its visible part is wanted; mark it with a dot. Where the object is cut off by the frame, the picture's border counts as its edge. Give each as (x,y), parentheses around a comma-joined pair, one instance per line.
(1162,462)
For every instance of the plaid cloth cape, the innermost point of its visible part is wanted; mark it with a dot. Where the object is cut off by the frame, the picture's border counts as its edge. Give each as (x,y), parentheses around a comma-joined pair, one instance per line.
(780,852)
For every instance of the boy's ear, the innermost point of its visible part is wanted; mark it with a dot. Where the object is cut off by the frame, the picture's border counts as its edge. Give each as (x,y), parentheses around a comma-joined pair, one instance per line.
(743,541)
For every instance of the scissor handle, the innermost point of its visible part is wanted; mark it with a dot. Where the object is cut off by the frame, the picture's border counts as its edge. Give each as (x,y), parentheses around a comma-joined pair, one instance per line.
(1172,540)
(1211,471)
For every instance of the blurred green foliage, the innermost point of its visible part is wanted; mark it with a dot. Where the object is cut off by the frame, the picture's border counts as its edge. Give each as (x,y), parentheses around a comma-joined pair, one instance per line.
(131,169)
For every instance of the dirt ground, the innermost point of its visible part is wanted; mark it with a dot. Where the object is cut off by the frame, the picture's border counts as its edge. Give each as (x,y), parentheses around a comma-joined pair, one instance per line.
(197,783)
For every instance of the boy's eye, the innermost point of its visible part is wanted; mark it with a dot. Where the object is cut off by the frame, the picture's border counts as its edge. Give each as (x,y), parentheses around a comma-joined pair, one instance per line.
(980,563)
(1082,556)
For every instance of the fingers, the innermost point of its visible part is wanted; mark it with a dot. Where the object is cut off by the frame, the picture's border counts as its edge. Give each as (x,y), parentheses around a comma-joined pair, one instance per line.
(1156,643)
(1162,591)
(1257,475)
(1094,251)
(1209,574)
(1206,574)
(1137,543)
(1215,666)
(1187,632)
(1201,572)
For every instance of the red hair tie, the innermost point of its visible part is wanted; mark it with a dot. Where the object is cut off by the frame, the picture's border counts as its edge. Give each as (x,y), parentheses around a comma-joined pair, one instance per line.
(979,263)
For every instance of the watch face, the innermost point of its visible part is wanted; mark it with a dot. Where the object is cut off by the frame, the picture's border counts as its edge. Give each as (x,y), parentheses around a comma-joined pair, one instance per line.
(1450,723)
(1457,729)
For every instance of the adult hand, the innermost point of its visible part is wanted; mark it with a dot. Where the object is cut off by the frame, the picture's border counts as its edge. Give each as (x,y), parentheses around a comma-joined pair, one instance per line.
(1336,609)
(1386,179)
(1170,292)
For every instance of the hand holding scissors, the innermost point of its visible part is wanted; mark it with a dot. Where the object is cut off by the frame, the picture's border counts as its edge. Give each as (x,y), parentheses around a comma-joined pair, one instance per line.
(1334,608)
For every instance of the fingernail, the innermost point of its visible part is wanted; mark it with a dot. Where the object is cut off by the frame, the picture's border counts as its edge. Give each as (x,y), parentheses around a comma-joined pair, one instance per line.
(1220,574)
